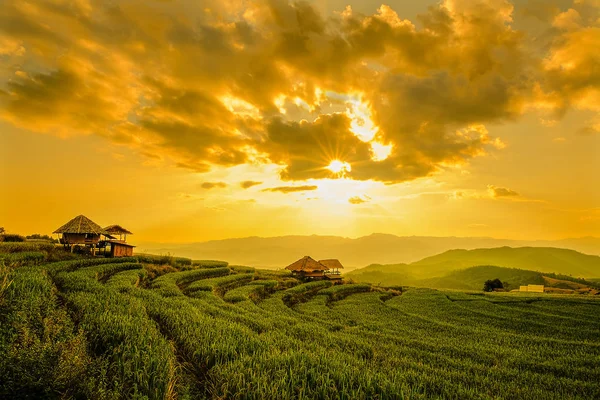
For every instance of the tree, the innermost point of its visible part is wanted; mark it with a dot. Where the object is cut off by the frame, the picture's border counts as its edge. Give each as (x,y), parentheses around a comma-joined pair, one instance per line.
(1,230)
(492,284)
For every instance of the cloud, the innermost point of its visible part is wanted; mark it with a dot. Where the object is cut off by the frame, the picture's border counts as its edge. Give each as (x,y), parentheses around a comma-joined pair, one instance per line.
(358,200)
(290,189)
(280,83)
(495,192)
(213,185)
(249,184)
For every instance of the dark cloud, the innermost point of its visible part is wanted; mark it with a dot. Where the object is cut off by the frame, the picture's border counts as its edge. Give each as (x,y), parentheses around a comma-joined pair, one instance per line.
(213,185)
(357,200)
(249,184)
(495,192)
(290,189)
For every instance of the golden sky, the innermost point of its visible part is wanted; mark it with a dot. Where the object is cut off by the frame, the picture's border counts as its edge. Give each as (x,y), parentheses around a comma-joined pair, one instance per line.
(194,120)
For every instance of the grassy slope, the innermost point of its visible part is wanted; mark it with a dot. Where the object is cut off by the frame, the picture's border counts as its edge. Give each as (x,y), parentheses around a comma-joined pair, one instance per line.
(543,259)
(473,278)
(136,331)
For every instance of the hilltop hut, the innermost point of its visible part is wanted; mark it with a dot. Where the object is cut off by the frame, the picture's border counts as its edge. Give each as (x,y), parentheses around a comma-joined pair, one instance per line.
(80,231)
(118,247)
(309,268)
(83,231)
(114,230)
(333,268)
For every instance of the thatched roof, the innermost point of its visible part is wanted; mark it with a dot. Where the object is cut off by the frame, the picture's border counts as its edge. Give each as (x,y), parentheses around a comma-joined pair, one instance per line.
(307,264)
(81,224)
(117,230)
(332,263)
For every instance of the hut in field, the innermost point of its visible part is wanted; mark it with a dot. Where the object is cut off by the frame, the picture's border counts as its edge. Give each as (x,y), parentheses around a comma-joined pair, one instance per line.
(118,247)
(311,269)
(80,231)
(333,268)
(115,230)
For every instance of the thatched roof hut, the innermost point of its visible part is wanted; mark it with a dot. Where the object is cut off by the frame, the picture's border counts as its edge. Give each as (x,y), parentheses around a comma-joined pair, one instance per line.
(306,264)
(117,230)
(332,264)
(81,225)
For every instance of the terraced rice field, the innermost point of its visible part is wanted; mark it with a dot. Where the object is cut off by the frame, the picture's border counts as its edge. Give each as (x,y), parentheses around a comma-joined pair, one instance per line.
(121,328)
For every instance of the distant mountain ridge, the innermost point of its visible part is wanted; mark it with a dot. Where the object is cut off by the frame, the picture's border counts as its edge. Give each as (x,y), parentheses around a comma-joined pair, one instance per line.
(461,269)
(278,252)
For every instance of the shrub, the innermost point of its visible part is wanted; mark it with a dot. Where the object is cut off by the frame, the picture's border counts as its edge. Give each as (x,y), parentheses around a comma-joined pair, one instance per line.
(339,291)
(165,259)
(492,284)
(4,281)
(24,258)
(210,263)
(242,269)
(216,283)
(168,285)
(11,237)
(306,287)
(18,247)
(37,236)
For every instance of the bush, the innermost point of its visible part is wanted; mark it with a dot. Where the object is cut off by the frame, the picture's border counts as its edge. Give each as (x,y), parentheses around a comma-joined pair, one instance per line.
(37,236)
(339,291)
(210,263)
(11,237)
(217,283)
(492,284)
(166,259)
(18,247)
(24,258)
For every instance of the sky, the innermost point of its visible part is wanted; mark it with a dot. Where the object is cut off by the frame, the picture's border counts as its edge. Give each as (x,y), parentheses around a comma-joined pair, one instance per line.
(197,120)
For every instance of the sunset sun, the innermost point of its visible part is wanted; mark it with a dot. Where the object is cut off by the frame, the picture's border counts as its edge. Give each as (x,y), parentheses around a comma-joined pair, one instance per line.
(339,167)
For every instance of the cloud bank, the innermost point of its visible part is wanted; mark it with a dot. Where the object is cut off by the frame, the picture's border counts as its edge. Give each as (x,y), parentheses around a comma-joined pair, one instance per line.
(273,82)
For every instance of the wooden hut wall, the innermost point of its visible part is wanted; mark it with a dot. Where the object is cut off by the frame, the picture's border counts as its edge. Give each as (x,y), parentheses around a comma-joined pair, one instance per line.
(118,250)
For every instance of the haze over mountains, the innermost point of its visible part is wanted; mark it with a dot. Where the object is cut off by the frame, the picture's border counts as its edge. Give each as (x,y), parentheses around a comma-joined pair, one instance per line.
(278,252)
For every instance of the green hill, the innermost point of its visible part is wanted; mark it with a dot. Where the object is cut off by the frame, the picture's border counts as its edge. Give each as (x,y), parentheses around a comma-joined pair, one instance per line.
(384,275)
(473,278)
(543,259)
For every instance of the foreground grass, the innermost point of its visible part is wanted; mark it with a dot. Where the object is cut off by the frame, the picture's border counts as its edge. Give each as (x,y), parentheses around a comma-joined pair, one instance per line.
(162,328)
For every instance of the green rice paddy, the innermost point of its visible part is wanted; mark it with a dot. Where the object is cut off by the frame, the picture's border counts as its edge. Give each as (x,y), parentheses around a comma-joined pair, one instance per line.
(117,328)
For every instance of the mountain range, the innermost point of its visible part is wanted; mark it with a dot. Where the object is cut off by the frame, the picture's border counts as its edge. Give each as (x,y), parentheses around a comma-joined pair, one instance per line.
(463,269)
(278,252)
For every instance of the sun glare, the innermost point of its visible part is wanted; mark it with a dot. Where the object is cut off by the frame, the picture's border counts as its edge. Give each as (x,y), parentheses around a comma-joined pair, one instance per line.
(339,167)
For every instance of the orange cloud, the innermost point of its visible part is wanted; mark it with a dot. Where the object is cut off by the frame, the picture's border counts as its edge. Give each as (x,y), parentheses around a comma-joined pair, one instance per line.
(213,185)
(278,83)
(291,189)
(357,200)
(495,192)
(249,184)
